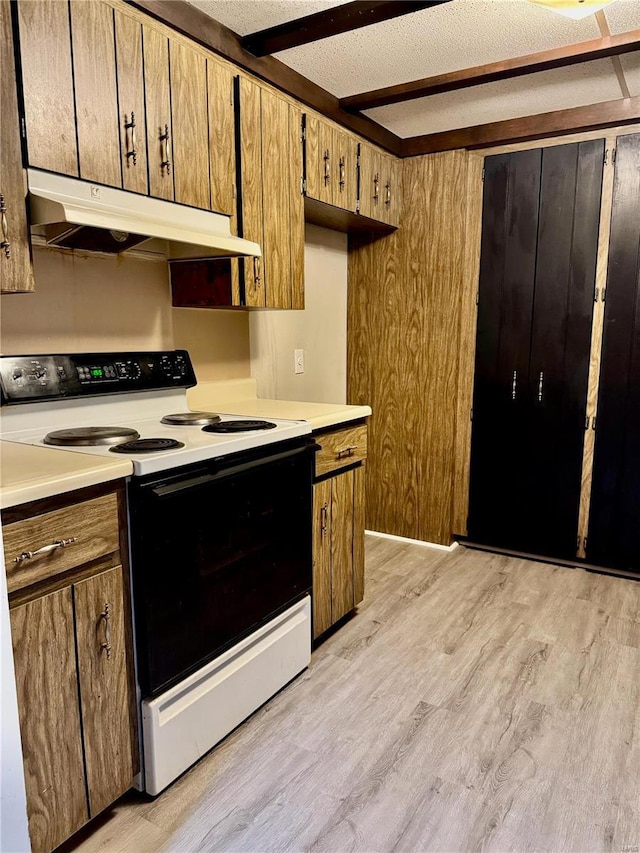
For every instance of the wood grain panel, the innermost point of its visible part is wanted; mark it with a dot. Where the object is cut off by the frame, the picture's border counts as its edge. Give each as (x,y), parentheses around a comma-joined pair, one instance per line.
(104,687)
(341,545)
(131,103)
(596,348)
(188,70)
(45,664)
(403,322)
(276,194)
(341,447)
(345,152)
(250,107)
(313,155)
(16,272)
(47,81)
(94,77)
(467,348)
(93,524)
(222,156)
(158,111)
(358,532)
(321,557)
(296,208)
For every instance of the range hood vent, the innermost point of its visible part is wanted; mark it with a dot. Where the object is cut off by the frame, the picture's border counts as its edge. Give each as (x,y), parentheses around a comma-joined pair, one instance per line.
(80,215)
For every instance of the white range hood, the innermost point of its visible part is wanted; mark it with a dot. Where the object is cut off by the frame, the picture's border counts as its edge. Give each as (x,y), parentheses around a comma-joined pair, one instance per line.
(81,215)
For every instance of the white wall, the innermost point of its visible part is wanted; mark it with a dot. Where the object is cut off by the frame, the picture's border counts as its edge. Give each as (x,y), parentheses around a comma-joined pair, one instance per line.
(320,330)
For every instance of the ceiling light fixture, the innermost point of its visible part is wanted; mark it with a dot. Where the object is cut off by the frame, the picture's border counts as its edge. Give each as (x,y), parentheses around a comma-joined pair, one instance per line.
(575,9)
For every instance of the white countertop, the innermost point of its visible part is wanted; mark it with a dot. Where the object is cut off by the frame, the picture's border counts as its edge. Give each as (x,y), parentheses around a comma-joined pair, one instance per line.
(29,473)
(239,397)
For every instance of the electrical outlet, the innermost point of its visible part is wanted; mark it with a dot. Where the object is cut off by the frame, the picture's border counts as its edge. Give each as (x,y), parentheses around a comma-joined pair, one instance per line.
(298,361)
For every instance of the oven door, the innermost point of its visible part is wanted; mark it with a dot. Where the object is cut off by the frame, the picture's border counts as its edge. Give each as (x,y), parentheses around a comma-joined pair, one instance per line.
(217,550)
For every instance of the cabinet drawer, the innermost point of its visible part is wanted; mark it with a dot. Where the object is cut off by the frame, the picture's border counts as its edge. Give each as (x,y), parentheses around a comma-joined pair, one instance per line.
(341,447)
(92,527)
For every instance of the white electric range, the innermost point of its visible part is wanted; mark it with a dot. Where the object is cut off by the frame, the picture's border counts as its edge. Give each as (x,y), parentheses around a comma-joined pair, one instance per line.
(219,532)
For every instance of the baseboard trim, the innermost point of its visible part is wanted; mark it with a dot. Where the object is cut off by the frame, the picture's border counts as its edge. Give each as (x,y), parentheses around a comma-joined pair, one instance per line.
(407,541)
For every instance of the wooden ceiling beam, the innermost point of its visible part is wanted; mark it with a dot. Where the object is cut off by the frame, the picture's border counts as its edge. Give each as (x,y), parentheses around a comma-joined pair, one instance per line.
(330,22)
(587,51)
(557,123)
(196,25)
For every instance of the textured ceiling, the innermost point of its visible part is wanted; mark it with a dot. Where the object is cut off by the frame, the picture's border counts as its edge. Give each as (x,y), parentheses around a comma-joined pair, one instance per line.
(456,35)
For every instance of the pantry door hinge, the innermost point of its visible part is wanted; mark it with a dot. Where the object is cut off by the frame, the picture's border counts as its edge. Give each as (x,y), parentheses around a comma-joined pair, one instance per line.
(303,130)
(471,415)
(477,297)
(303,186)
(584,544)
(597,294)
(606,156)
(586,422)
(604,291)
(23,128)
(613,160)
(483,176)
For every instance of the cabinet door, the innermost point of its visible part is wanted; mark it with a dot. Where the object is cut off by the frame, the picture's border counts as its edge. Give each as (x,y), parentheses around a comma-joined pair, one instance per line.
(47,81)
(94,74)
(344,171)
(46,680)
(358,533)
(190,126)
(321,557)
(296,208)
(614,516)
(370,190)
(251,202)
(16,273)
(342,509)
(319,159)
(158,113)
(222,156)
(391,189)
(133,125)
(105,687)
(276,198)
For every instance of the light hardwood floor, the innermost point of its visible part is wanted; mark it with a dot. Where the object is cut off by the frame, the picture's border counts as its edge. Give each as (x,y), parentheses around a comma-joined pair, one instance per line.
(475,702)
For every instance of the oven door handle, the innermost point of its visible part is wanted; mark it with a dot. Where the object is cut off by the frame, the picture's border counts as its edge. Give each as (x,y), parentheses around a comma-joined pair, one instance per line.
(165,490)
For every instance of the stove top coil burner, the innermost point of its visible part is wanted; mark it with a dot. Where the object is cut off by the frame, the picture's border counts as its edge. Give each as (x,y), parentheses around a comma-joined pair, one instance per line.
(89,436)
(239,426)
(191,419)
(147,445)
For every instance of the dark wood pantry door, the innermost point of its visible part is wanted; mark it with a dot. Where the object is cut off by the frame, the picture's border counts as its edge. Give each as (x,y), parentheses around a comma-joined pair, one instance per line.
(614,520)
(537,280)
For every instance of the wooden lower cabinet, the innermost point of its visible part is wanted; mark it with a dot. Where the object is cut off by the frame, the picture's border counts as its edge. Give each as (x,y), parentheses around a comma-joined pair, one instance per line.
(74,701)
(338,547)
(73,655)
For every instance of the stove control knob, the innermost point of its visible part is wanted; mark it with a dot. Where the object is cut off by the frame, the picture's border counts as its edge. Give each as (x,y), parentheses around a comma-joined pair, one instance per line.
(40,372)
(18,374)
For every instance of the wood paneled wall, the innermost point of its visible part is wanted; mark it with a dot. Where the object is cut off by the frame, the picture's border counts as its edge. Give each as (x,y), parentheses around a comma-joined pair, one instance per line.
(404,314)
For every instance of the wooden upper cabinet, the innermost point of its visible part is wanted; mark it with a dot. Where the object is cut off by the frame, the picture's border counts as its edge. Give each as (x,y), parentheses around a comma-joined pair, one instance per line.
(46,682)
(249,106)
(47,79)
(345,177)
(222,155)
(188,74)
(319,156)
(94,71)
(16,272)
(158,112)
(105,678)
(390,176)
(370,186)
(133,126)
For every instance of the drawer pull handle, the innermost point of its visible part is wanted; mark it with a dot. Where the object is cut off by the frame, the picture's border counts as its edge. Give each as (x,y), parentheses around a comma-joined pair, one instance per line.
(130,140)
(346,451)
(46,549)
(165,162)
(323,520)
(327,173)
(106,616)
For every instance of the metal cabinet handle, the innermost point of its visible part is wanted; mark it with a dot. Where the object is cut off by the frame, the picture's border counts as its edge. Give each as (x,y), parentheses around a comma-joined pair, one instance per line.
(346,451)
(46,549)
(341,179)
(256,273)
(4,243)
(165,163)
(106,617)
(376,189)
(130,140)
(324,516)
(540,386)
(327,173)
(388,199)
(514,385)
